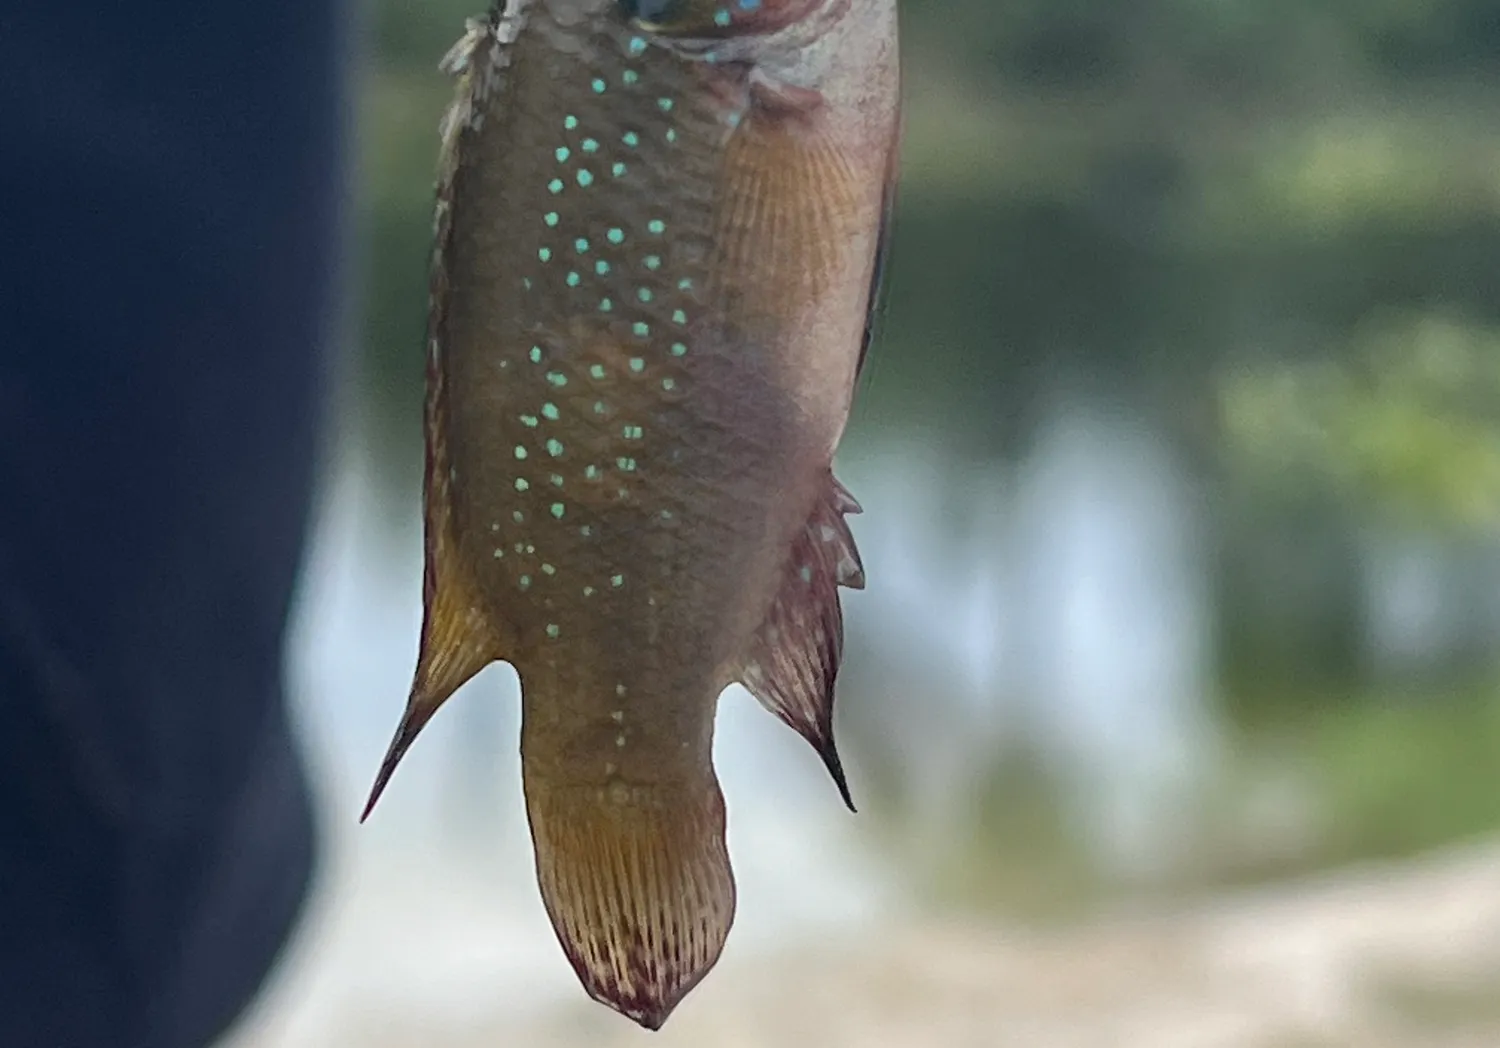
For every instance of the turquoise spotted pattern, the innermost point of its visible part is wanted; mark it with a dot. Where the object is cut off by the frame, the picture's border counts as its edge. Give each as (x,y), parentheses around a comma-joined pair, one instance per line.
(609,225)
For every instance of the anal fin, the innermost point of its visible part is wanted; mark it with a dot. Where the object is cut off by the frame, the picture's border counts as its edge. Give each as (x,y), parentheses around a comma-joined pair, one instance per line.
(793,660)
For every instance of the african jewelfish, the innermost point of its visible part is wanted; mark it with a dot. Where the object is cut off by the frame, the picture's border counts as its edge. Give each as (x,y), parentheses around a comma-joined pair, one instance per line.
(659,236)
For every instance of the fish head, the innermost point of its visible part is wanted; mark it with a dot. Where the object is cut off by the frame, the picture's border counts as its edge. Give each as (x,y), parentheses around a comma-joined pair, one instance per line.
(803,41)
(716,18)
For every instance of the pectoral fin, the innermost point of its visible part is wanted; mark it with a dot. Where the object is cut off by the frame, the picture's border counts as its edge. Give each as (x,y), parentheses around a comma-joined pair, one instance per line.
(791,203)
(793,659)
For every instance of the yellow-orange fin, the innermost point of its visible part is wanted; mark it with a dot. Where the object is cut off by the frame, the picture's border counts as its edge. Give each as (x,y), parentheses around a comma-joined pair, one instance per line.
(790,205)
(637,882)
(457,642)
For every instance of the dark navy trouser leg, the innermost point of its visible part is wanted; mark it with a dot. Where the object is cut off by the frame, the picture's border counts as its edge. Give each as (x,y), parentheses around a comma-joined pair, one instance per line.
(171,193)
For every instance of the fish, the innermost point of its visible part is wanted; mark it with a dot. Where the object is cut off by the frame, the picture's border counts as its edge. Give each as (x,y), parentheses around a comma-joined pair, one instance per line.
(659,243)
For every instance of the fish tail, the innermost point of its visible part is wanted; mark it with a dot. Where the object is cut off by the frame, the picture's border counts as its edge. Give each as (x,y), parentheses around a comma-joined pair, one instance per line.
(637,882)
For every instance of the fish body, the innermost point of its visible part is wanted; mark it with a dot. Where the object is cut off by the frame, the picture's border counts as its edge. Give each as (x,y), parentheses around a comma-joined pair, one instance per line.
(658,237)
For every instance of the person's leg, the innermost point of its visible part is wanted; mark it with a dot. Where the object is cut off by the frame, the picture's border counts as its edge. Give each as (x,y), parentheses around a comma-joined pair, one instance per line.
(170,207)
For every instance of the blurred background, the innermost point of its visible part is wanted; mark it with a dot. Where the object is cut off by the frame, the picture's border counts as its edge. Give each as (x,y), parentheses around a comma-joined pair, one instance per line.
(1173,705)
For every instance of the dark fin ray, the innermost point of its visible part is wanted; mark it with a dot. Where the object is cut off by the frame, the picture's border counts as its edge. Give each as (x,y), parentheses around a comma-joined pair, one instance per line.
(793,660)
(637,883)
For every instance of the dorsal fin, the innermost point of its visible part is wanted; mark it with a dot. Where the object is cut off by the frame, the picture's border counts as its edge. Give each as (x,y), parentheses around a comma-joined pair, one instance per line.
(793,659)
(458,638)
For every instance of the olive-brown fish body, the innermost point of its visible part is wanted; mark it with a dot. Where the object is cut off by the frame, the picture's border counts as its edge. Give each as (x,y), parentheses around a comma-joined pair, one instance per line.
(651,287)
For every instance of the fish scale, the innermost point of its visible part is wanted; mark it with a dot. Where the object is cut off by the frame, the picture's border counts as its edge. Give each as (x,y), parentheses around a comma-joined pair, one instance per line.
(651,291)
(606,370)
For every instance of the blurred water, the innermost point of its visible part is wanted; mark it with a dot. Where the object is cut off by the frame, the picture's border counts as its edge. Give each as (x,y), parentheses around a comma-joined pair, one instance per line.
(1066,599)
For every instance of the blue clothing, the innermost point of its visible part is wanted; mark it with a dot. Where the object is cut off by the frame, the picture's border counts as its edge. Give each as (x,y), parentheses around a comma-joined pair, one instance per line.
(171,194)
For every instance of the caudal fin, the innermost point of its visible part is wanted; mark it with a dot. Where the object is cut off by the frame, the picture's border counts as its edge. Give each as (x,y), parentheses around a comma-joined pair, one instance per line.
(638,885)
